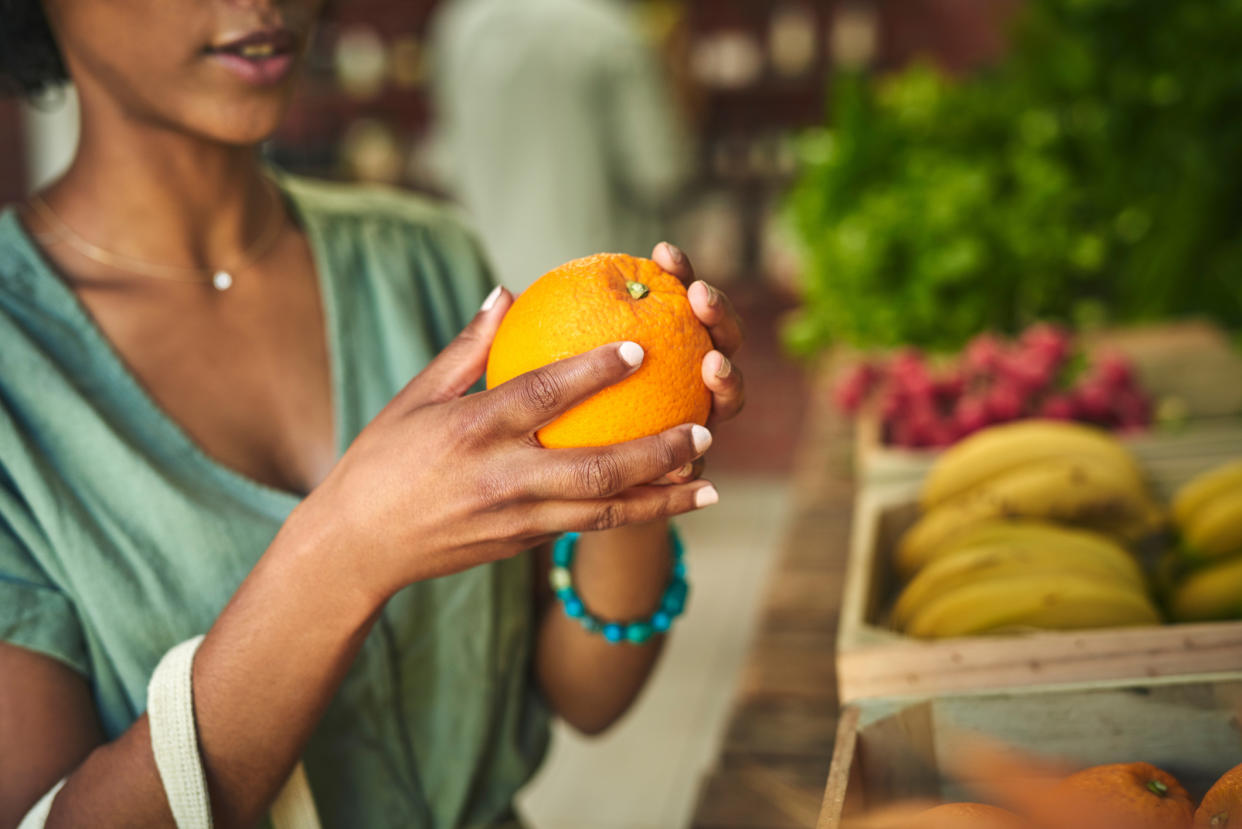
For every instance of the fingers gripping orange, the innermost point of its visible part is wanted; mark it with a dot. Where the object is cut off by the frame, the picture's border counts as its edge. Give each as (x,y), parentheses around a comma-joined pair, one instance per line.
(607,298)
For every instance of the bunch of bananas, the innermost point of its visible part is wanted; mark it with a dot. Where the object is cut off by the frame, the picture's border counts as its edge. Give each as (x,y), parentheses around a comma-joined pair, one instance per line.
(1026,525)
(1207,571)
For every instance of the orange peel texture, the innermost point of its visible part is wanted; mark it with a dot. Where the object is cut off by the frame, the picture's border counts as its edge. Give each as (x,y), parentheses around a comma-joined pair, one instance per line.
(594,301)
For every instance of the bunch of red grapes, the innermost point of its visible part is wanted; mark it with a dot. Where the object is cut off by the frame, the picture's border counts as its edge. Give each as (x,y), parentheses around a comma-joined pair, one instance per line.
(1040,374)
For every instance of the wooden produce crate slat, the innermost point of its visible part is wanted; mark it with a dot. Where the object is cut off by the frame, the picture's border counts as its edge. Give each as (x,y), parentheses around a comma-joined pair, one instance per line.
(889,751)
(874,661)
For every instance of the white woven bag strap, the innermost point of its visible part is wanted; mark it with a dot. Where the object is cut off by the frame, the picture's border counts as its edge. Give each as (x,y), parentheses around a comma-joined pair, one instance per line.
(36,818)
(294,808)
(174,741)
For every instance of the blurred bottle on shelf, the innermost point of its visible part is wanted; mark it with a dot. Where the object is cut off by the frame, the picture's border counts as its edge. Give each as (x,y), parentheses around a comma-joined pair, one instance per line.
(854,35)
(793,40)
(730,59)
(361,62)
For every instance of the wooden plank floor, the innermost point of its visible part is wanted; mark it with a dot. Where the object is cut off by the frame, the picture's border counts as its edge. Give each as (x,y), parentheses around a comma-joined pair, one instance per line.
(779,743)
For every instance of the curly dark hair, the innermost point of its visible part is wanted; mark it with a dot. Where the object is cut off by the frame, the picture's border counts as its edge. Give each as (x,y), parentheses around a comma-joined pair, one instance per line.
(30,60)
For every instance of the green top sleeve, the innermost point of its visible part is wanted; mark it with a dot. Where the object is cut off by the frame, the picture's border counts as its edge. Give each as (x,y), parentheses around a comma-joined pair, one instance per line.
(34,613)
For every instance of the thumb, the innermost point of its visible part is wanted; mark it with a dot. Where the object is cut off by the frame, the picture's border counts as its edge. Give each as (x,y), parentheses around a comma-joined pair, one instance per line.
(463,361)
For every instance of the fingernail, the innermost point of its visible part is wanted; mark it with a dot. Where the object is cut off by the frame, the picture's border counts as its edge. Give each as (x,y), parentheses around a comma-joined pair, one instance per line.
(709,292)
(725,368)
(675,253)
(632,353)
(491,299)
(686,471)
(706,496)
(702,438)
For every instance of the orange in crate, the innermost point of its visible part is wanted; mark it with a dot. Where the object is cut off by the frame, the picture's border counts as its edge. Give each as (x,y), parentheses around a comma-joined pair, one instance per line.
(967,816)
(601,299)
(1122,796)
(1222,805)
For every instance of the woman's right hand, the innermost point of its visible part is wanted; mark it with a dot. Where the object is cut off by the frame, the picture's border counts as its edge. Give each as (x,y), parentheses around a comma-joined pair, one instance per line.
(441,481)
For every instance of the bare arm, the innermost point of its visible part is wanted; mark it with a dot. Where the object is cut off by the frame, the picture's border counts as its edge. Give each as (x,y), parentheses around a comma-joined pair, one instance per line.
(621,573)
(282,644)
(436,484)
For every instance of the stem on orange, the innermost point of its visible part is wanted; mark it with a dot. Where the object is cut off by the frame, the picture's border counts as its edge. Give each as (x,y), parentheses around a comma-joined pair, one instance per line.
(1156,787)
(637,289)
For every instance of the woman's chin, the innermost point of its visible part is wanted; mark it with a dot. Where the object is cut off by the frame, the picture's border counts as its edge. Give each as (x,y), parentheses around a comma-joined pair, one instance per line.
(237,126)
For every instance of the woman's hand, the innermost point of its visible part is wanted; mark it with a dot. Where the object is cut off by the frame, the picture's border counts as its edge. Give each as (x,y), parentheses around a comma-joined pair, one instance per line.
(439,482)
(720,375)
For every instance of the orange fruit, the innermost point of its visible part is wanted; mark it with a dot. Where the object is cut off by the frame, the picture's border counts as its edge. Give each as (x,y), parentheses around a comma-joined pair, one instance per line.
(967,816)
(1222,805)
(1121,796)
(601,299)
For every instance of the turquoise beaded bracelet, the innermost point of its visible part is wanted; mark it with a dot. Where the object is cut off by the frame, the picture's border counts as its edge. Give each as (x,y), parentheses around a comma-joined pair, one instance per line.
(672,603)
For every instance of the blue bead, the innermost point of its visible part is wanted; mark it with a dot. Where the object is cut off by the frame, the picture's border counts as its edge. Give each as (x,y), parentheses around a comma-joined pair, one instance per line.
(614,633)
(638,632)
(565,594)
(661,621)
(563,550)
(590,624)
(679,570)
(675,597)
(574,608)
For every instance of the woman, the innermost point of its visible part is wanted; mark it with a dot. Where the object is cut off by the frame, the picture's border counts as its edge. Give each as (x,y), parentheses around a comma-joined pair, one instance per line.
(208,424)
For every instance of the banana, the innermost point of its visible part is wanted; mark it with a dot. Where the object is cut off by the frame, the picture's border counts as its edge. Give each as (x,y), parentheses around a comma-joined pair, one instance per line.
(1052,601)
(1106,562)
(1212,593)
(1206,487)
(1017,532)
(1079,492)
(1215,528)
(994,451)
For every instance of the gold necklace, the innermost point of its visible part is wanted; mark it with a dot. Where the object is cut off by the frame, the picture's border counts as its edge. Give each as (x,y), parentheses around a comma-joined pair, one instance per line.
(219,278)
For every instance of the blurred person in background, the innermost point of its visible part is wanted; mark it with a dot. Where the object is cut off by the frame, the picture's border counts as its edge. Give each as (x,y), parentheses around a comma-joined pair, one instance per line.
(557,129)
(233,402)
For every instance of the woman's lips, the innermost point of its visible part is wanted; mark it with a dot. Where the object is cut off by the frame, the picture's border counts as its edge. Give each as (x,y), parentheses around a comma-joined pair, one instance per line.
(260,71)
(260,58)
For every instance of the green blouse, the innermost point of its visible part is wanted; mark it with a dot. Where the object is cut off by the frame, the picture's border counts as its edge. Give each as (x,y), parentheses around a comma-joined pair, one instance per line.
(120,538)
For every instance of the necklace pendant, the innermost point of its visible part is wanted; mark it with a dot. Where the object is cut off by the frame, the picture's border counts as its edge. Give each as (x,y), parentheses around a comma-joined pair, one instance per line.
(222,280)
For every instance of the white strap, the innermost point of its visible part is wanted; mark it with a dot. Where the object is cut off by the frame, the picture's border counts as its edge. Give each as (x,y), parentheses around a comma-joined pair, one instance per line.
(294,807)
(174,740)
(170,711)
(36,818)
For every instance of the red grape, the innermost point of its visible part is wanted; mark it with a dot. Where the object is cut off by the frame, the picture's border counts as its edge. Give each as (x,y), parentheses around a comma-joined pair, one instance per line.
(1094,401)
(853,387)
(983,353)
(1004,402)
(1114,371)
(1059,407)
(971,414)
(1029,372)
(1051,341)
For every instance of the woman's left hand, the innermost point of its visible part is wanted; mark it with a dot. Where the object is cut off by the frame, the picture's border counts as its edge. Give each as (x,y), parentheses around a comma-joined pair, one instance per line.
(721,376)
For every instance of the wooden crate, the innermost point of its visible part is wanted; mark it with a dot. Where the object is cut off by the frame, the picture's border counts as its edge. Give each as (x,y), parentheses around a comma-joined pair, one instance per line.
(875,661)
(896,750)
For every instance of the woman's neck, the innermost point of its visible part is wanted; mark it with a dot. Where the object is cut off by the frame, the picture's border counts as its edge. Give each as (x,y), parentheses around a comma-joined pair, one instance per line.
(153,194)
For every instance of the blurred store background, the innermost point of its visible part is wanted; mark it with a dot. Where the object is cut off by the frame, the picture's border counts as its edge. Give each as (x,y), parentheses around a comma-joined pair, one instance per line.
(876,173)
